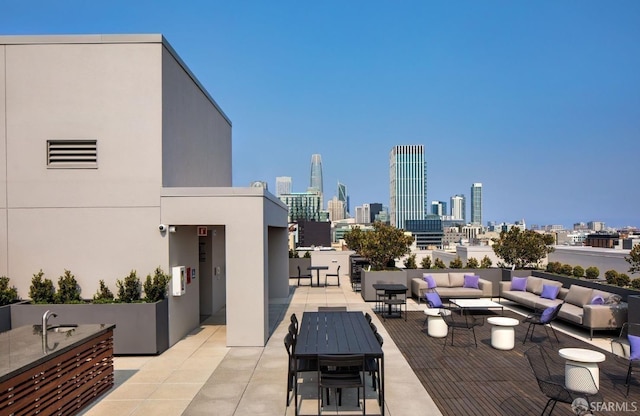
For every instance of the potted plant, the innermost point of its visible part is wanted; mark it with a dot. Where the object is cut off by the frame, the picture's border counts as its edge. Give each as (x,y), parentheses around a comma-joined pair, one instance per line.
(141,322)
(8,296)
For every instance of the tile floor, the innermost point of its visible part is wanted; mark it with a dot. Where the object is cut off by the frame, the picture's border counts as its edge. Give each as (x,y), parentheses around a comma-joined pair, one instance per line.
(199,375)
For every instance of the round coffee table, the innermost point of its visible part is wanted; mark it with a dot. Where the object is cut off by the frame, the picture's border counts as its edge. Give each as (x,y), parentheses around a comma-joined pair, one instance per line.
(580,357)
(436,326)
(503,332)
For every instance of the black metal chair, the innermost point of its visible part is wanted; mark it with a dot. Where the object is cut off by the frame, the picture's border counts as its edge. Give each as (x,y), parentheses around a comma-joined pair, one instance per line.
(339,372)
(372,366)
(460,321)
(294,320)
(295,367)
(544,319)
(336,275)
(550,375)
(621,347)
(304,276)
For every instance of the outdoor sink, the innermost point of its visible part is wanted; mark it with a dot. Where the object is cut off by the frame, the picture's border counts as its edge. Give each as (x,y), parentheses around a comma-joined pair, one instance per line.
(62,328)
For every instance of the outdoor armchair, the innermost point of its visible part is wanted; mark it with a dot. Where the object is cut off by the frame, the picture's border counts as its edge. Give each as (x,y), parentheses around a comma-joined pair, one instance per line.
(627,347)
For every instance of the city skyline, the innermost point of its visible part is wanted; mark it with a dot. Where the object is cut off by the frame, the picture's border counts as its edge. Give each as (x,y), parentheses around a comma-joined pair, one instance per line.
(538,101)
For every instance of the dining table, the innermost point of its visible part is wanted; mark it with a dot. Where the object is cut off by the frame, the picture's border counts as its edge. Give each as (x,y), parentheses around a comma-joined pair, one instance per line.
(328,333)
(317,269)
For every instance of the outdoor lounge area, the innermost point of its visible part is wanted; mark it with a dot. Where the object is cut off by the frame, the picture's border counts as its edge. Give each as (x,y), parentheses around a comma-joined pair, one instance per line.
(201,376)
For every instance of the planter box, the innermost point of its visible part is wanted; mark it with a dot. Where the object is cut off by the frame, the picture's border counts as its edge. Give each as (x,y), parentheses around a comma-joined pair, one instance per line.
(634,309)
(293,266)
(5,318)
(590,283)
(384,276)
(141,328)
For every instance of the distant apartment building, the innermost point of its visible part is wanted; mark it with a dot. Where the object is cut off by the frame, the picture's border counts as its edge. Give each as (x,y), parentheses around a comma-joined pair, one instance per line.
(283,185)
(471,232)
(336,209)
(452,236)
(363,214)
(476,203)
(596,226)
(438,208)
(428,232)
(304,206)
(408,184)
(603,240)
(458,208)
(382,216)
(314,234)
(580,226)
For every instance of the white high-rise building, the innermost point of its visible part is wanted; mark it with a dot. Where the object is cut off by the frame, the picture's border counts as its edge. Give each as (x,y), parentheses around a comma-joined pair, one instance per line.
(458,208)
(283,185)
(336,209)
(408,184)
(363,214)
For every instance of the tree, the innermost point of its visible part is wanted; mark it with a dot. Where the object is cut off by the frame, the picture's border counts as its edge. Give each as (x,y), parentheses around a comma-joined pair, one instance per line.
(456,263)
(426,262)
(382,246)
(523,248)
(634,259)
(486,262)
(472,263)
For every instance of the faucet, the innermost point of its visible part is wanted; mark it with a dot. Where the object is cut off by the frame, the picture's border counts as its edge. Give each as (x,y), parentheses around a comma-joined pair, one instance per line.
(45,322)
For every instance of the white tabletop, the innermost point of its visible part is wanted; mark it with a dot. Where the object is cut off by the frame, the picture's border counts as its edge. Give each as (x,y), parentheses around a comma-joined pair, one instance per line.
(436,311)
(582,355)
(502,321)
(476,303)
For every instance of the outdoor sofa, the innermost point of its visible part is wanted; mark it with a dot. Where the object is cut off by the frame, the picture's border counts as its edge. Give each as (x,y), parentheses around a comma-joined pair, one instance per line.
(590,308)
(451,285)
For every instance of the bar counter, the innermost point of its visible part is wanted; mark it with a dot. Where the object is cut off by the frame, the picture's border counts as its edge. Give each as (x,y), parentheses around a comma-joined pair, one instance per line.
(60,376)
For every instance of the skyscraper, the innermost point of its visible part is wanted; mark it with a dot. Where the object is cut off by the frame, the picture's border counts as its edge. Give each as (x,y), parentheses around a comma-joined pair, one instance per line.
(408,184)
(439,208)
(476,203)
(283,185)
(316,173)
(336,209)
(344,197)
(458,208)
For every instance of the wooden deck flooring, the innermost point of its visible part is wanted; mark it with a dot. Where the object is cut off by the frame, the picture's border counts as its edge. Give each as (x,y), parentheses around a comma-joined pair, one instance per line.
(464,380)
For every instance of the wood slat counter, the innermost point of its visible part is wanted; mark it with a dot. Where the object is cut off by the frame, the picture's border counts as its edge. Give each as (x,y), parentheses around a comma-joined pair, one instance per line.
(60,377)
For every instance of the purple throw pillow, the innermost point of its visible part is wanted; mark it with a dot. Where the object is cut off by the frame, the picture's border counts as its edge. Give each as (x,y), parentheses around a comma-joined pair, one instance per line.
(519,283)
(597,300)
(433,299)
(431,282)
(471,281)
(634,345)
(546,314)
(549,292)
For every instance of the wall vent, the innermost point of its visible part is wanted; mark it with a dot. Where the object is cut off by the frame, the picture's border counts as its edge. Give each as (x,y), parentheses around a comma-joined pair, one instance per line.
(72,154)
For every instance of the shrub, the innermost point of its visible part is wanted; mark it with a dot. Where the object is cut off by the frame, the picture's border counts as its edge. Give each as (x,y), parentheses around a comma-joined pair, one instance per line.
(611,276)
(554,267)
(635,283)
(566,269)
(410,262)
(129,291)
(486,262)
(41,289)
(104,294)
(155,288)
(425,263)
(307,255)
(578,271)
(473,263)
(439,264)
(623,280)
(456,263)
(68,289)
(8,294)
(592,272)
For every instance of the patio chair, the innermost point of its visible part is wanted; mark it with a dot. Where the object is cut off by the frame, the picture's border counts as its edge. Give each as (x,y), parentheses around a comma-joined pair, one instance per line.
(458,321)
(550,375)
(621,347)
(372,366)
(340,372)
(336,275)
(544,319)
(294,320)
(304,276)
(296,366)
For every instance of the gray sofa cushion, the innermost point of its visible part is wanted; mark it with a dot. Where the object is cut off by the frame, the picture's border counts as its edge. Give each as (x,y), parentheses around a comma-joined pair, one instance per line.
(534,284)
(442,279)
(527,299)
(542,303)
(456,279)
(579,296)
(571,313)
(459,292)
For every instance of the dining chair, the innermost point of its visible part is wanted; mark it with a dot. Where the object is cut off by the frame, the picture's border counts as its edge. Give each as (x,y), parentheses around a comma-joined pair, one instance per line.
(336,275)
(340,372)
(294,320)
(296,366)
(550,375)
(304,276)
(372,366)
(544,319)
(627,348)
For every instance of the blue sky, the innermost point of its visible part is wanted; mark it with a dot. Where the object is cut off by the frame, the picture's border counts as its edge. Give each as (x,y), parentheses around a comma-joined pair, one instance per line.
(539,101)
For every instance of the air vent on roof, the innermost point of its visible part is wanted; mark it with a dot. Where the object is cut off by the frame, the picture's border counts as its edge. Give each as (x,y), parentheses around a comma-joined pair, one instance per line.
(72,154)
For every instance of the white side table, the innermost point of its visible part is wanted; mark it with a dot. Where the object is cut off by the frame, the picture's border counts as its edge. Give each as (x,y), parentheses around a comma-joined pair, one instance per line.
(503,334)
(581,357)
(436,326)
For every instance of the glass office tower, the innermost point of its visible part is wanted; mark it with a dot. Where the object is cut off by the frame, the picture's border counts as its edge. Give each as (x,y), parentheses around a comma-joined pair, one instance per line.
(316,173)
(476,203)
(408,184)
(342,196)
